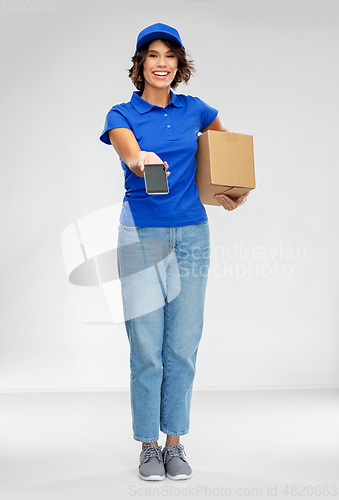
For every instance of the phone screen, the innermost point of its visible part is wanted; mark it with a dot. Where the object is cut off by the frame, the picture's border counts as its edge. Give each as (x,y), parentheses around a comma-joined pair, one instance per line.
(155,178)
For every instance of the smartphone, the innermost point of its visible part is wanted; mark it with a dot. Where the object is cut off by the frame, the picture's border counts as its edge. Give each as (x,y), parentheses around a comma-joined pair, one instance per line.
(155,178)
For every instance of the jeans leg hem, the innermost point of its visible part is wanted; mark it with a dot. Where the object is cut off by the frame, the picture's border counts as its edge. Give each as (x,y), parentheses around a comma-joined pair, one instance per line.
(145,440)
(169,433)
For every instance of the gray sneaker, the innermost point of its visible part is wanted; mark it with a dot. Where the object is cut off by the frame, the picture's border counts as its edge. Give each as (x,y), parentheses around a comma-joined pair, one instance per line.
(151,467)
(176,465)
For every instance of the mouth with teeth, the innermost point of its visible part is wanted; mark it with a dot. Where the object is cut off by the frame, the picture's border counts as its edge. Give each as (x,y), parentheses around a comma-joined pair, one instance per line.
(161,74)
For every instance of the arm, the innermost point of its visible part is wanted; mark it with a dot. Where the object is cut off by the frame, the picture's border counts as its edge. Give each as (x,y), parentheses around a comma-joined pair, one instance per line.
(218,125)
(224,200)
(125,144)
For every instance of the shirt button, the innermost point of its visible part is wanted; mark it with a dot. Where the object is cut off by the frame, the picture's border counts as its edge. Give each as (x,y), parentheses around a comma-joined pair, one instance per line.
(168,126)
(165,115)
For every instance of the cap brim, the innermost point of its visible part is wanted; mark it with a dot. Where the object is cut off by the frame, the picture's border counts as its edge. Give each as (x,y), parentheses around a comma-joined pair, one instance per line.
(155,36)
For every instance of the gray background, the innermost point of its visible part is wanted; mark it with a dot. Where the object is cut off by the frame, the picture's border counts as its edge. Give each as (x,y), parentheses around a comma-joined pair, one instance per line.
(270,69)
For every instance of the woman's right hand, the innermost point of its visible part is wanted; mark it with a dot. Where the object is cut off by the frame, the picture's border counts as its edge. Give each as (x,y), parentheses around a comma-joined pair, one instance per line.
(137,165)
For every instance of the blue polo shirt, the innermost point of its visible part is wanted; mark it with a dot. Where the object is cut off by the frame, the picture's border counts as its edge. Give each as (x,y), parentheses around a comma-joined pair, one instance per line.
(171,133)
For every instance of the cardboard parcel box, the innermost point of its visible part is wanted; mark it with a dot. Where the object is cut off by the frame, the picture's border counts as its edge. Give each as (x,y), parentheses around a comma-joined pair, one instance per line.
(225,164)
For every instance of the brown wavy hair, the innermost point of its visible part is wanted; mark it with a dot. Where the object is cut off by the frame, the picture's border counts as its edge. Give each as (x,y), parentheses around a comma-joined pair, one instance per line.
(185,65)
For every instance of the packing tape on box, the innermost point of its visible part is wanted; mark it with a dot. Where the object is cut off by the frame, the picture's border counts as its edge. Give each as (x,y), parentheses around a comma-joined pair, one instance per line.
(230,137)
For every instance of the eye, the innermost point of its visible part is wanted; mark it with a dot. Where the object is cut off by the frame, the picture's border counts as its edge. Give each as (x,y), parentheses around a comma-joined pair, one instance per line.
(170,55)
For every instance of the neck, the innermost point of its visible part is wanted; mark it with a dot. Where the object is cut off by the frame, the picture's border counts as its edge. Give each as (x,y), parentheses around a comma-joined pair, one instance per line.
(157,97)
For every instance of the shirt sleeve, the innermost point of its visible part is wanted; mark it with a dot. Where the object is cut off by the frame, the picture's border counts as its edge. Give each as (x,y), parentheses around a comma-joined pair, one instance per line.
(114,119)
(207,113)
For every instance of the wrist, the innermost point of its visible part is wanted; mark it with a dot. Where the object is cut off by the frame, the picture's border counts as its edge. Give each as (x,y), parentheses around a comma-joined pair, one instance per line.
(133,163)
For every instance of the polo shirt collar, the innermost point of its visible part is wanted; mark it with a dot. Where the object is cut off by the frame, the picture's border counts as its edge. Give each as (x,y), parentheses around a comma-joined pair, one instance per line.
(143,106)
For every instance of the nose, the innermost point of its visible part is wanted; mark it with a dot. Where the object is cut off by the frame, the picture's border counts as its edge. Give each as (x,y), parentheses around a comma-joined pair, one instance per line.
(162,61)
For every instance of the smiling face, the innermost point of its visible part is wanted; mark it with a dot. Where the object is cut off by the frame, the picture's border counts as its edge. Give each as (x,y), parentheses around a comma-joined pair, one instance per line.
(160,65)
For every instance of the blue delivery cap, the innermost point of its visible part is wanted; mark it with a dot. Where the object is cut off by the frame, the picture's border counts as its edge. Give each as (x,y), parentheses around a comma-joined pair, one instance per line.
(156,31)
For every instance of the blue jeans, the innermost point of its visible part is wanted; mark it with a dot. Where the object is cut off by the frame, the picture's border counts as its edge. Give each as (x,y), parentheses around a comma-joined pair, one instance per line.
(163,274)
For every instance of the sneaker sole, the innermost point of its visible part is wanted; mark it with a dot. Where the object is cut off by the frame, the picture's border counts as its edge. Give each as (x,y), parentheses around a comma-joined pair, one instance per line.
(152,478)
(179,476)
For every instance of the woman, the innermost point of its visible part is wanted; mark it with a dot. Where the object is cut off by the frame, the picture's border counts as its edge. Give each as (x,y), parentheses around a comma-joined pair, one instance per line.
(163,245)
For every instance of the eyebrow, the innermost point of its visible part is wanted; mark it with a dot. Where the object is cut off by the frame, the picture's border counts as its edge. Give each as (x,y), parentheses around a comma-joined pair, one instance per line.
(152,50)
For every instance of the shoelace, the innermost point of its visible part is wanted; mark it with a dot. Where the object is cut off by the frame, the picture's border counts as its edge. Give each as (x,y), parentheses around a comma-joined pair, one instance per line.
(175,450)
(151,451)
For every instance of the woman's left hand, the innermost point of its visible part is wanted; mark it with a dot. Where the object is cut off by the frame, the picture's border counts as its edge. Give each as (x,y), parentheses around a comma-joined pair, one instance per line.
(229,203)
